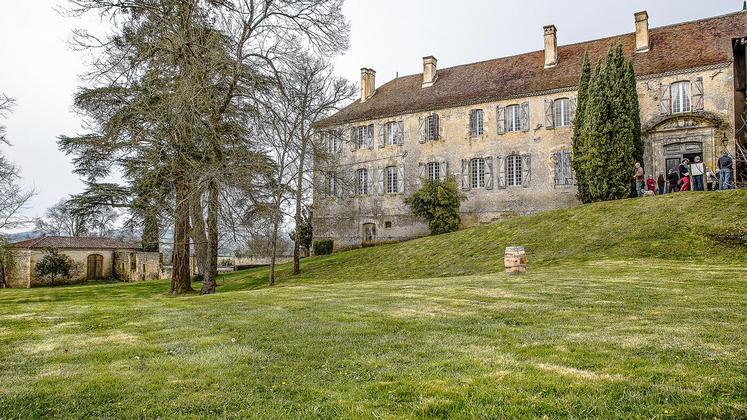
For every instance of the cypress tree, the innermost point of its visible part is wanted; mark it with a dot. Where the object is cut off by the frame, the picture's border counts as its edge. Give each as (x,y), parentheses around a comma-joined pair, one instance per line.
(607,132)
(579,147)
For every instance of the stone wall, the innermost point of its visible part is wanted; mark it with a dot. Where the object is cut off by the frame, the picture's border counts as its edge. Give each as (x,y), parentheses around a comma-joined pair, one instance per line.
(342,219)
(134,266)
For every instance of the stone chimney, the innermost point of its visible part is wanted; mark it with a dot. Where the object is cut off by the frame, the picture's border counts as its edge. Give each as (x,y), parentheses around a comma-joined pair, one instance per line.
(641,32)
(551,46)
(368,83)
(429,71)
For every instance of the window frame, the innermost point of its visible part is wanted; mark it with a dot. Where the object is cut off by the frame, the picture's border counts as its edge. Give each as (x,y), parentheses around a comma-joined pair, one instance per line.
(362,182)
(476,122)
(682,86)
(432,127)
(391,133)
(477,175)
(362,137)
(562,119)
(391,181)
(332,184)
(514,170)
(513,118)
(433,170)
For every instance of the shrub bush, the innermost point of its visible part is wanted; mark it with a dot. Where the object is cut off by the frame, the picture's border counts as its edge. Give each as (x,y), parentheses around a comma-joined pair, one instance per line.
(323,247)
(438,203)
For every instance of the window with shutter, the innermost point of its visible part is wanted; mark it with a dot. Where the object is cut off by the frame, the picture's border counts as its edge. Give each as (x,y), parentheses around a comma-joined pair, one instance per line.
(500,119)
(563,168)
(362,181)
(421,129)
(391,180)
(380,181)
(401,133)
(370,136)
(477,172)
(432,129)
(434,171)
(488,173)
(680,97)
(549,117)
(562,112)
(401,179)
(361,137)
(382,134)
(513,118)
(513,170)
(501,171)
(391,133)
(421,170)
(443,171)
(476,122)
(526,166)
(697,101)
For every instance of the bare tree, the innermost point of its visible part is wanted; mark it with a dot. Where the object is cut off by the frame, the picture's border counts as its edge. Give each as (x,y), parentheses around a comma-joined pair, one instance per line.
(67,219)
(13,197)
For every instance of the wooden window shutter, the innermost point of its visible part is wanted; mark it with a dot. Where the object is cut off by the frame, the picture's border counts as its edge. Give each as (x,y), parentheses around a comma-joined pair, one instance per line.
(401,133)
(465,175)
(471,126)
(421,170)
(526,170)
(488,173)
(436,127)
(665,100)
(500,119)
(340,137)
(369,136)
(380,181)
(524,116)
(421,123)
(353,138)
(401,179)
(557,158)
(500,172)
(322,184)
(382,128)
(549,114)
(572,103)
(697,93)
(443,170)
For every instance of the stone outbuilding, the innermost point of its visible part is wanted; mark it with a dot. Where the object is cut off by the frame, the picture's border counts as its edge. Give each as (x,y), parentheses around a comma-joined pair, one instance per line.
(94,259)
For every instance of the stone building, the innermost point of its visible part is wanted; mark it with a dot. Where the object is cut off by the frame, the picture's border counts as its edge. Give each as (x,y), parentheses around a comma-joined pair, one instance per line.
(94,259)
(503,127)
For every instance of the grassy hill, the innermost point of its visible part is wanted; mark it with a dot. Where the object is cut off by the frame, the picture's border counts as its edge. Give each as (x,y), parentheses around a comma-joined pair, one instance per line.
(687,226)
(636,308)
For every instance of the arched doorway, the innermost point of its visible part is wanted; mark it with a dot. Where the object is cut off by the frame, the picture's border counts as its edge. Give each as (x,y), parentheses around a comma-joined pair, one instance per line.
(95,267)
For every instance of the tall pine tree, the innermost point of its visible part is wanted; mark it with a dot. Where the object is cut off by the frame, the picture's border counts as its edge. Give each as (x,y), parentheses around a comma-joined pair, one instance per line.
(605,135)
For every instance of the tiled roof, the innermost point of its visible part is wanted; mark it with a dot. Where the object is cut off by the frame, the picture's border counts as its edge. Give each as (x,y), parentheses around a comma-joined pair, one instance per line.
(673,48)
(69,242)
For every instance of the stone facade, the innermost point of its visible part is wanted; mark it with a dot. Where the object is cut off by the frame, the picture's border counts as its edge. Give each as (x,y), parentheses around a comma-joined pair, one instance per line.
(354,216)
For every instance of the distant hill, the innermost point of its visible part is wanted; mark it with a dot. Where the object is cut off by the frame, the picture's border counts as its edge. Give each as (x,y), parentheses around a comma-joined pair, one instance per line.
(22,236)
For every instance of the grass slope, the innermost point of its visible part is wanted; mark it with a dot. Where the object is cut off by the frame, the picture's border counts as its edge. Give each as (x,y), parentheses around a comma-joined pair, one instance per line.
(684,226)
(599,327)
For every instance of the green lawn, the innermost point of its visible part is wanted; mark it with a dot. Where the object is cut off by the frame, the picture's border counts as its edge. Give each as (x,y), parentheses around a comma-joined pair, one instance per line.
(608,322)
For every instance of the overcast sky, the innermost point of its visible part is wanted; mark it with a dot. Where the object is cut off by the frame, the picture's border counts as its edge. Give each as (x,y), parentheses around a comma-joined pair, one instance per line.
(390,36)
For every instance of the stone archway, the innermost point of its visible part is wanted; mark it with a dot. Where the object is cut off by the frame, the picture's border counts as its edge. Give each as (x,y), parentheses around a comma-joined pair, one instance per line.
(669,139)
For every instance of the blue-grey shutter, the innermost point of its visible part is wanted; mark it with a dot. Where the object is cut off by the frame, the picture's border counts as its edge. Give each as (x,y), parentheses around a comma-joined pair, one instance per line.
(501,171)
(421,125)
(500,119)
(353,138)
(443,170)
(557,158)
(697,99)
(465,175)
(340,137)
(369,136)
(380,189)
(401,133)
(401,179)
(665,101)
(421,170)
(549,114)
(524,116)
(382,128)
(488,173)
(526,169)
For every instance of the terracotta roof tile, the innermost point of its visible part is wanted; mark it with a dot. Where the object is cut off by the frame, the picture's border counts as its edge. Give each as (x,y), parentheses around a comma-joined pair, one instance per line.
(672,48)
(68,242)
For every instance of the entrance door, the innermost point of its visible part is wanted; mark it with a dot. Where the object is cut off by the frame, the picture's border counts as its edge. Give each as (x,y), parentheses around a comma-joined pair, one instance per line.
(369,233)
(95,267)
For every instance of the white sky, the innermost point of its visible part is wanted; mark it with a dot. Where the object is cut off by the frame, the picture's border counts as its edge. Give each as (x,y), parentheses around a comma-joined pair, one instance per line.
(40,71)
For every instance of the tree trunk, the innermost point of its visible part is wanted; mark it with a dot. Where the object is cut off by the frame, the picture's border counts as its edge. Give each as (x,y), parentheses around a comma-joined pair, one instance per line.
(209,284)
(198,234)
(180,280)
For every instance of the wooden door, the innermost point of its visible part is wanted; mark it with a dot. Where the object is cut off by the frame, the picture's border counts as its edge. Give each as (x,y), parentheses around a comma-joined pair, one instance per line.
(95,266)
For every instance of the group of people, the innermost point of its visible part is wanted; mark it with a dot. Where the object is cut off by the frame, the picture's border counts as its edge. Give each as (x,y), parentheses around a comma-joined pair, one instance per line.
(687,176)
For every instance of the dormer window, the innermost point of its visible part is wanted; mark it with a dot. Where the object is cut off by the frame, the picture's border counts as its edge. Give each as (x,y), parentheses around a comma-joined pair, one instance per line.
(680,97)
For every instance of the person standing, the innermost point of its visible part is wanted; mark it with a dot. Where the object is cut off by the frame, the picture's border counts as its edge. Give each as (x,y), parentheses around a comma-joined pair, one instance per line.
(684,175)
(697,171)
(651,184)
(725,166)
(638,177)
(661,183)
(674,181)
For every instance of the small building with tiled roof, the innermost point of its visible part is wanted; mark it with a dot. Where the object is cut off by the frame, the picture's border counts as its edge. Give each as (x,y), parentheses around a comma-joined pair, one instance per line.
(94,258)
(502,128)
